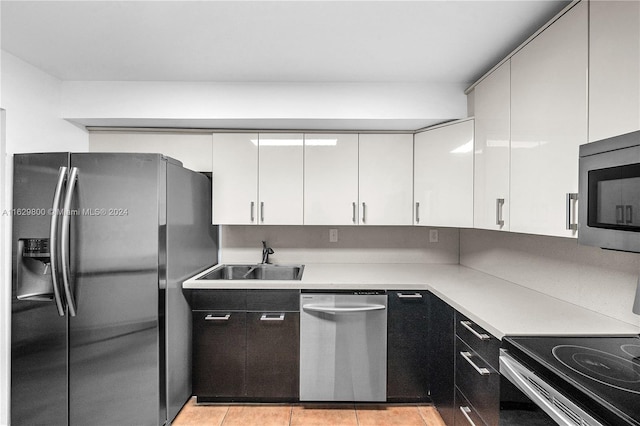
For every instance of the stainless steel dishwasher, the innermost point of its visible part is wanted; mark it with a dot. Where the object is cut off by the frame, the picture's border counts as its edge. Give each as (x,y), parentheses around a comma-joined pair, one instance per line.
(343,346)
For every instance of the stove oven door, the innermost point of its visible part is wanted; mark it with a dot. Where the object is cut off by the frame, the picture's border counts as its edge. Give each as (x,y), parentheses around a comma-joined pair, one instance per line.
(525,399)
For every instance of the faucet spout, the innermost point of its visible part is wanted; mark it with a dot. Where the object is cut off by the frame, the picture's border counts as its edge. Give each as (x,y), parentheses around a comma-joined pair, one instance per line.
(266,251)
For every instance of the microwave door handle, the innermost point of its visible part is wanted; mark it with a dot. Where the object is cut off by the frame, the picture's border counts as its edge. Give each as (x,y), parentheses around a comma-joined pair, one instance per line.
(628,214)
(64,241)
(53,240)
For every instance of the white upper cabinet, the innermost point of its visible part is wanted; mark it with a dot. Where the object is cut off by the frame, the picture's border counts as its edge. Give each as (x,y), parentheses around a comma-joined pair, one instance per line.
(386,179)
(548,123)
(280,177)
(192,149)
(443,176)
(257,178)
(492,140)
(614,68)
(235,178)
(330,179)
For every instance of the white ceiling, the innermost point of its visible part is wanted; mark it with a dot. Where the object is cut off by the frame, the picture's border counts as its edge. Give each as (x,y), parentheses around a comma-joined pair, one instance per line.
(269,41)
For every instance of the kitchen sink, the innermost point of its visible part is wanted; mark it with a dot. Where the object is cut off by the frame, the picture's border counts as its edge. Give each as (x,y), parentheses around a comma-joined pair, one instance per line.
(255,272)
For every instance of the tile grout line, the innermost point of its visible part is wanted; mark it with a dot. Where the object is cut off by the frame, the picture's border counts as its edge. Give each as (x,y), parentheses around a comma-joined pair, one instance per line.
(290,415)
(225,416)
(356,413)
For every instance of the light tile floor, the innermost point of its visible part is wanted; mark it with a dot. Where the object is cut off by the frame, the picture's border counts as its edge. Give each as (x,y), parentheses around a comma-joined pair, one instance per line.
(307,415)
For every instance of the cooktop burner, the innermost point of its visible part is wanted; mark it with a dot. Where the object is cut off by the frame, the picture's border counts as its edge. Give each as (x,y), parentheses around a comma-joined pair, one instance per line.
(600,366)
(602,373)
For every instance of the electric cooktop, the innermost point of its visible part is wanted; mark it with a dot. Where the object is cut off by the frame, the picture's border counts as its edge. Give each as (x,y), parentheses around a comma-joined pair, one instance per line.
(600,373)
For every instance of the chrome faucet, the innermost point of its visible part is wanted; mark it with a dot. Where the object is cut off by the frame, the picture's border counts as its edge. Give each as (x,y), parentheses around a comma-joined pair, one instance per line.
(266,251)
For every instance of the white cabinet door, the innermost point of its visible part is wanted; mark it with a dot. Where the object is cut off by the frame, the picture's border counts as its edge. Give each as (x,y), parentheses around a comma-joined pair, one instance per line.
(614,68)
(548,123)
(330,179)
(492,140)
(235,178)
(386,179)
(443,176)
(280,179)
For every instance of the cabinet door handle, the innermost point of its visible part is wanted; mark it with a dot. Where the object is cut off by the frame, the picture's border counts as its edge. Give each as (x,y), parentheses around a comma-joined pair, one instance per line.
(409,296)
(571,196)
(628,214)
(253,216)
(465,413)
(499,205)
(272,317)
(364,214)
(213,317)
(262,211)
(417,212)
(467,325)
(353,217)
(481,370)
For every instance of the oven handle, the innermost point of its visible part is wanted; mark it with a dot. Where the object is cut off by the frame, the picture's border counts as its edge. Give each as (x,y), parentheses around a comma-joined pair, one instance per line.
(509,369)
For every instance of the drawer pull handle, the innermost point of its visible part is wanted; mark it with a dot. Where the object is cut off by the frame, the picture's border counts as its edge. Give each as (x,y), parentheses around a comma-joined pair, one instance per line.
(465,413)
(211,317)
(481,370)
(467,325)
(409,296)
(272,317)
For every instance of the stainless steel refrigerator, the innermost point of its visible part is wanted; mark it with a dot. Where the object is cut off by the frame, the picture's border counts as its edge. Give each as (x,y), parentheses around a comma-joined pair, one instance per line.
(100,329)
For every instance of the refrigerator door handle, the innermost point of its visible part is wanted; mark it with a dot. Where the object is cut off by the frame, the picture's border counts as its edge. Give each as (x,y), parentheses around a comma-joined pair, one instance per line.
(64,241)
(53,240)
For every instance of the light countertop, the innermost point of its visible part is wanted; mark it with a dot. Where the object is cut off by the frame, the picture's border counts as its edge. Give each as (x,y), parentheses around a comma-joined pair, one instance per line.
(501,307)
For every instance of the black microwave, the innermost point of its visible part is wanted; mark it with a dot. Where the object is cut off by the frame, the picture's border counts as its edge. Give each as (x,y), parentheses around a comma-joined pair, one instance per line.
(609,193)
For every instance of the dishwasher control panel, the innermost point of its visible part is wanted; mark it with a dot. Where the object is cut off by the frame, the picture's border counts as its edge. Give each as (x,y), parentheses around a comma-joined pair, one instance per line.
(355,292)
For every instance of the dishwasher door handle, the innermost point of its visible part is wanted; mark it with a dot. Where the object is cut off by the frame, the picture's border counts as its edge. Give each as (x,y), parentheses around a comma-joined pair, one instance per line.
(342,309)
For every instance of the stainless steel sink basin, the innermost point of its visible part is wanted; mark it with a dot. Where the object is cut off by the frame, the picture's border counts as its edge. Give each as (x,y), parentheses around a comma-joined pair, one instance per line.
(255,272)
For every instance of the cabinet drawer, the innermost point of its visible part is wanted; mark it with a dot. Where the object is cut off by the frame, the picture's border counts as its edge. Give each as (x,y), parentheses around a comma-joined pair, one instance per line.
(208,300)
(478,382)
(465,414)
(482,342)
(273,300)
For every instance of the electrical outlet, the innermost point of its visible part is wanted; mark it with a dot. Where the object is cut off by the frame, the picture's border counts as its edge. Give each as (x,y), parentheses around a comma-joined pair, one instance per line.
(333,235)
(433,235)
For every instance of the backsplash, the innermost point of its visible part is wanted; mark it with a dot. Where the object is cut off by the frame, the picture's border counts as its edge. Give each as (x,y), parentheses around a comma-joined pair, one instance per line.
(600,280)
(356,244)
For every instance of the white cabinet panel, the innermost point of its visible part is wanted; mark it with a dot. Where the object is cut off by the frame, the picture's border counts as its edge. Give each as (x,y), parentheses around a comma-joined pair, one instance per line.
(192,149)
(331,179)
(235,178)
(492,152)
(443,176)
(614,68)
(386,179)
(548,123)
(280,179)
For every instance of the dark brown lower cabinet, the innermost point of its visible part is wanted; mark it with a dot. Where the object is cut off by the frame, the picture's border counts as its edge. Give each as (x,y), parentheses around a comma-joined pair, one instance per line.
(407,347)
(250,352)
(273,360)
(219,353)
(442,347)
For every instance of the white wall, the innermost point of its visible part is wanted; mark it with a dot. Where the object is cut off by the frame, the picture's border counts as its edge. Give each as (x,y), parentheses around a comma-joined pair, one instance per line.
(263,105)
(356,244)
(32,100)
(599,280)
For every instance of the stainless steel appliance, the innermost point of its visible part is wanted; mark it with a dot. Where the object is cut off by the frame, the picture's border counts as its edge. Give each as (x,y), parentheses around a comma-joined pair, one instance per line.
(609,193)
(591,381)
(100,328)
(343,346)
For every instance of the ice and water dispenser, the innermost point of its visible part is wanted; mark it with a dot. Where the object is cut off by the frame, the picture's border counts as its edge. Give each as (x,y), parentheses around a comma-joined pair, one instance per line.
(34,281)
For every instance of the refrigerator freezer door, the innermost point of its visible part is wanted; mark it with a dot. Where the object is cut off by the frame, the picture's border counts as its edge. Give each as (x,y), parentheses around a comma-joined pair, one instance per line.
(114,354)
(38,333)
